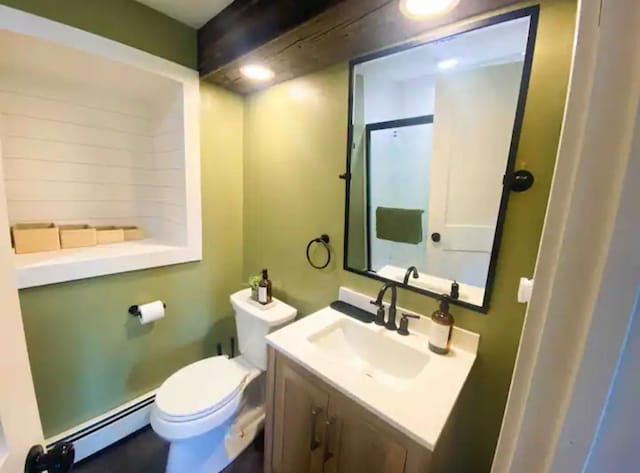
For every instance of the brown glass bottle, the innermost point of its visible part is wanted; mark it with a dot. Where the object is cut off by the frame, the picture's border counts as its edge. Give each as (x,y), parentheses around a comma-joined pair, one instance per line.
(264,289)
(441,326)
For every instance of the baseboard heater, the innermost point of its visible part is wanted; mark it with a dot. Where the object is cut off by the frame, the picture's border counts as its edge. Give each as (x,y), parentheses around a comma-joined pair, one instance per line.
(98,433)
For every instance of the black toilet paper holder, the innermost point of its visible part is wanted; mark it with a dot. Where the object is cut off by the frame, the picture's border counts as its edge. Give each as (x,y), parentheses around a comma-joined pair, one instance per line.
(135,310)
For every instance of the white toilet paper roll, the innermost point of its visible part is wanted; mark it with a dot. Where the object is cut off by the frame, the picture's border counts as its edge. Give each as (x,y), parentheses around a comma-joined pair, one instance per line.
(151,311)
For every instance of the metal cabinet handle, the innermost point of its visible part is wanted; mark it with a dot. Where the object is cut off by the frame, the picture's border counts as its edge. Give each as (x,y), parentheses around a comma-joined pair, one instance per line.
(329,425)
(315,412)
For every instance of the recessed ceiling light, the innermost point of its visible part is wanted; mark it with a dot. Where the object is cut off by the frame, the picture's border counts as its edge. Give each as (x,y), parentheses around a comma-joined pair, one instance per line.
(447,64)
(257,72)
(421,9)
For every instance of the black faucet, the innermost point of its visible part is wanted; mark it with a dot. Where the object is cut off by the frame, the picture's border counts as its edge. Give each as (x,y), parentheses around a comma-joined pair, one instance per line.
(391,320)
(411,271)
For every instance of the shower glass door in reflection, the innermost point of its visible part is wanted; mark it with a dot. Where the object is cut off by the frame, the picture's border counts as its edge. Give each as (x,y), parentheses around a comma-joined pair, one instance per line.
(398,161)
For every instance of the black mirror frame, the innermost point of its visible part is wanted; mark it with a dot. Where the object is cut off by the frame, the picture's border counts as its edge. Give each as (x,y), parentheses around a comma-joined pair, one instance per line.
(533,13)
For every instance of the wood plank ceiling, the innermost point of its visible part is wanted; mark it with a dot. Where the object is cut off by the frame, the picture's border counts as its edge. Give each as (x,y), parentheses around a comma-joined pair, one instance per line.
(294,37)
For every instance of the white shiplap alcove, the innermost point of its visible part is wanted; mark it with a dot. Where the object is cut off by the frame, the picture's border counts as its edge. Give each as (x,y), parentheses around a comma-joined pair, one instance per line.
(93,131)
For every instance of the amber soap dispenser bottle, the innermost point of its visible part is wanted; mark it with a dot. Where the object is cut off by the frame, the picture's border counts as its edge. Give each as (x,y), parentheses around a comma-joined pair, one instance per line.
(264,289)
(441,326)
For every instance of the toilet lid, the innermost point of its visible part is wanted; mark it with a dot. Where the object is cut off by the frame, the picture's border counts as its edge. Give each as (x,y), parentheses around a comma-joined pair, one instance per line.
(201,387)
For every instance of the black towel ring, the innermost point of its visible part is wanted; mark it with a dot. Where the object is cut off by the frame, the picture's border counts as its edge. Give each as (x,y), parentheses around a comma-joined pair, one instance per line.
(324,240)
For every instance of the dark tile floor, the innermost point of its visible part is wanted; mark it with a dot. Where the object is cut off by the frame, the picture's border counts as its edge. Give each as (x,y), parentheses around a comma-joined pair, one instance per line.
(145,452)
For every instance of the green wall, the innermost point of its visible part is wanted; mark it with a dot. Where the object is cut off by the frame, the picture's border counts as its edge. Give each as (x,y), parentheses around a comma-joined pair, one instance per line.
(88,355)
(124,21)
(295,136)
(358,209)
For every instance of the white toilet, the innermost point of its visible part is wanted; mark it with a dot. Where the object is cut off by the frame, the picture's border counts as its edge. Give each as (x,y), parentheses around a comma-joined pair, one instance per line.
(212,410)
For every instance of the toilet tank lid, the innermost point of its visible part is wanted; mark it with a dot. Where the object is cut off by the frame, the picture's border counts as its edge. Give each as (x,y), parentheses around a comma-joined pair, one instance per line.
(276,313)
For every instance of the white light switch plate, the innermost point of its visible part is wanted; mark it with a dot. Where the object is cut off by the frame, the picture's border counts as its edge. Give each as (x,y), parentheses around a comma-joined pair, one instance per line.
(524,290)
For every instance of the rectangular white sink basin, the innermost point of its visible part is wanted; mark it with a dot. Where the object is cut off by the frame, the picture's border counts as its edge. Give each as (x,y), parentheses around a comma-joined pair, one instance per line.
(395,377)
(370,352)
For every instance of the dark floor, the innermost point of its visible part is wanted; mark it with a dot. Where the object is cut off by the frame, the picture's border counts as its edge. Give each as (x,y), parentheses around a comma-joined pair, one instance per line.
(145,452)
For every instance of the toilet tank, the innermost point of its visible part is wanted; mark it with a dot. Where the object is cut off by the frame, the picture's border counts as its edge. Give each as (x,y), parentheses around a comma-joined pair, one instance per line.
(255,321)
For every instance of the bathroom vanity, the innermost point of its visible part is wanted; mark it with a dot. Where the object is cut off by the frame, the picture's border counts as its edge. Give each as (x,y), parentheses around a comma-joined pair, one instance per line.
(344,396)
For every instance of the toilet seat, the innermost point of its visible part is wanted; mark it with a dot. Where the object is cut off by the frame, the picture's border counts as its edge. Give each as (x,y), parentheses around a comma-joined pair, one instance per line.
(172,430)
(200,397)
(200,388)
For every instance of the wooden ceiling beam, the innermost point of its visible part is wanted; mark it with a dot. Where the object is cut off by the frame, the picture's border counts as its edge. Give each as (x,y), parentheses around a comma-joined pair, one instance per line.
(339,30)
(245,25)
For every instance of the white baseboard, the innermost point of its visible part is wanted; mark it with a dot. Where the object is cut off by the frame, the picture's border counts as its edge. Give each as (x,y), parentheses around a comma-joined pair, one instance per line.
(98,433)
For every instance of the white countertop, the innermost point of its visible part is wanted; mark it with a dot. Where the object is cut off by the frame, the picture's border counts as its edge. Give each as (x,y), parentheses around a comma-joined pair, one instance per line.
(419,407)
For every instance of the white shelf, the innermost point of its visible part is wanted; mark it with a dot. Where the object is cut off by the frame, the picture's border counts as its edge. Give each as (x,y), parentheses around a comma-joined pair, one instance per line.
(96,132)
(38,269)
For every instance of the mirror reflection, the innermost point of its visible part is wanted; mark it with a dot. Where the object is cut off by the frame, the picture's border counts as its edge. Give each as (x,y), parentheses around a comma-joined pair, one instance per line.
(433,131)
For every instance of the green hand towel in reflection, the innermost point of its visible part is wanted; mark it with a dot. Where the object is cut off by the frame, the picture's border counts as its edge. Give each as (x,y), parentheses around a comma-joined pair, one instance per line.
(401,225)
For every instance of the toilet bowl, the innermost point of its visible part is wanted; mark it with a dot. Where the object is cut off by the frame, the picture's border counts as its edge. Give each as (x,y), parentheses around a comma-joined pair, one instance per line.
(211,410)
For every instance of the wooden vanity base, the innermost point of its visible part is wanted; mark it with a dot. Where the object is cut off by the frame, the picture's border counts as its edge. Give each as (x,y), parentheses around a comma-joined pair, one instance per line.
(312,428)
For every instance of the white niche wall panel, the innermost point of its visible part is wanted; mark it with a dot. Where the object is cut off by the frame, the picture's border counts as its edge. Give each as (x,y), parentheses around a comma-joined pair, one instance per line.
(92,131)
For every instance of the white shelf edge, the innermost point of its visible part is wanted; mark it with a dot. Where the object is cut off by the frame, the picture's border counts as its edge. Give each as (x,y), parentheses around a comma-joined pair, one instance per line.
(39,269)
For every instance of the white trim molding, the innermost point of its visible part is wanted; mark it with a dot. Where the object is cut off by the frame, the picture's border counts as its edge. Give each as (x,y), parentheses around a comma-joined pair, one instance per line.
(587,275)
(100,432)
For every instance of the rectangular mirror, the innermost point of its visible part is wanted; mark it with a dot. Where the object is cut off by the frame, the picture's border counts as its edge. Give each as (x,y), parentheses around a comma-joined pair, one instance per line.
(433,136)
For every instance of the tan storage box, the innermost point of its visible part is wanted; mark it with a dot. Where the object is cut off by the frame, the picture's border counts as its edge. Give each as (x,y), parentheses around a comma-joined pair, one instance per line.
(35,237)
(77,236)
(133,233)
(109,234)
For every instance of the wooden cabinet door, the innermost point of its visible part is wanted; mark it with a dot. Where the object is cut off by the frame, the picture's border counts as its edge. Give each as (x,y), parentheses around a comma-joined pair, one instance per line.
(300,409)
(357,442)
